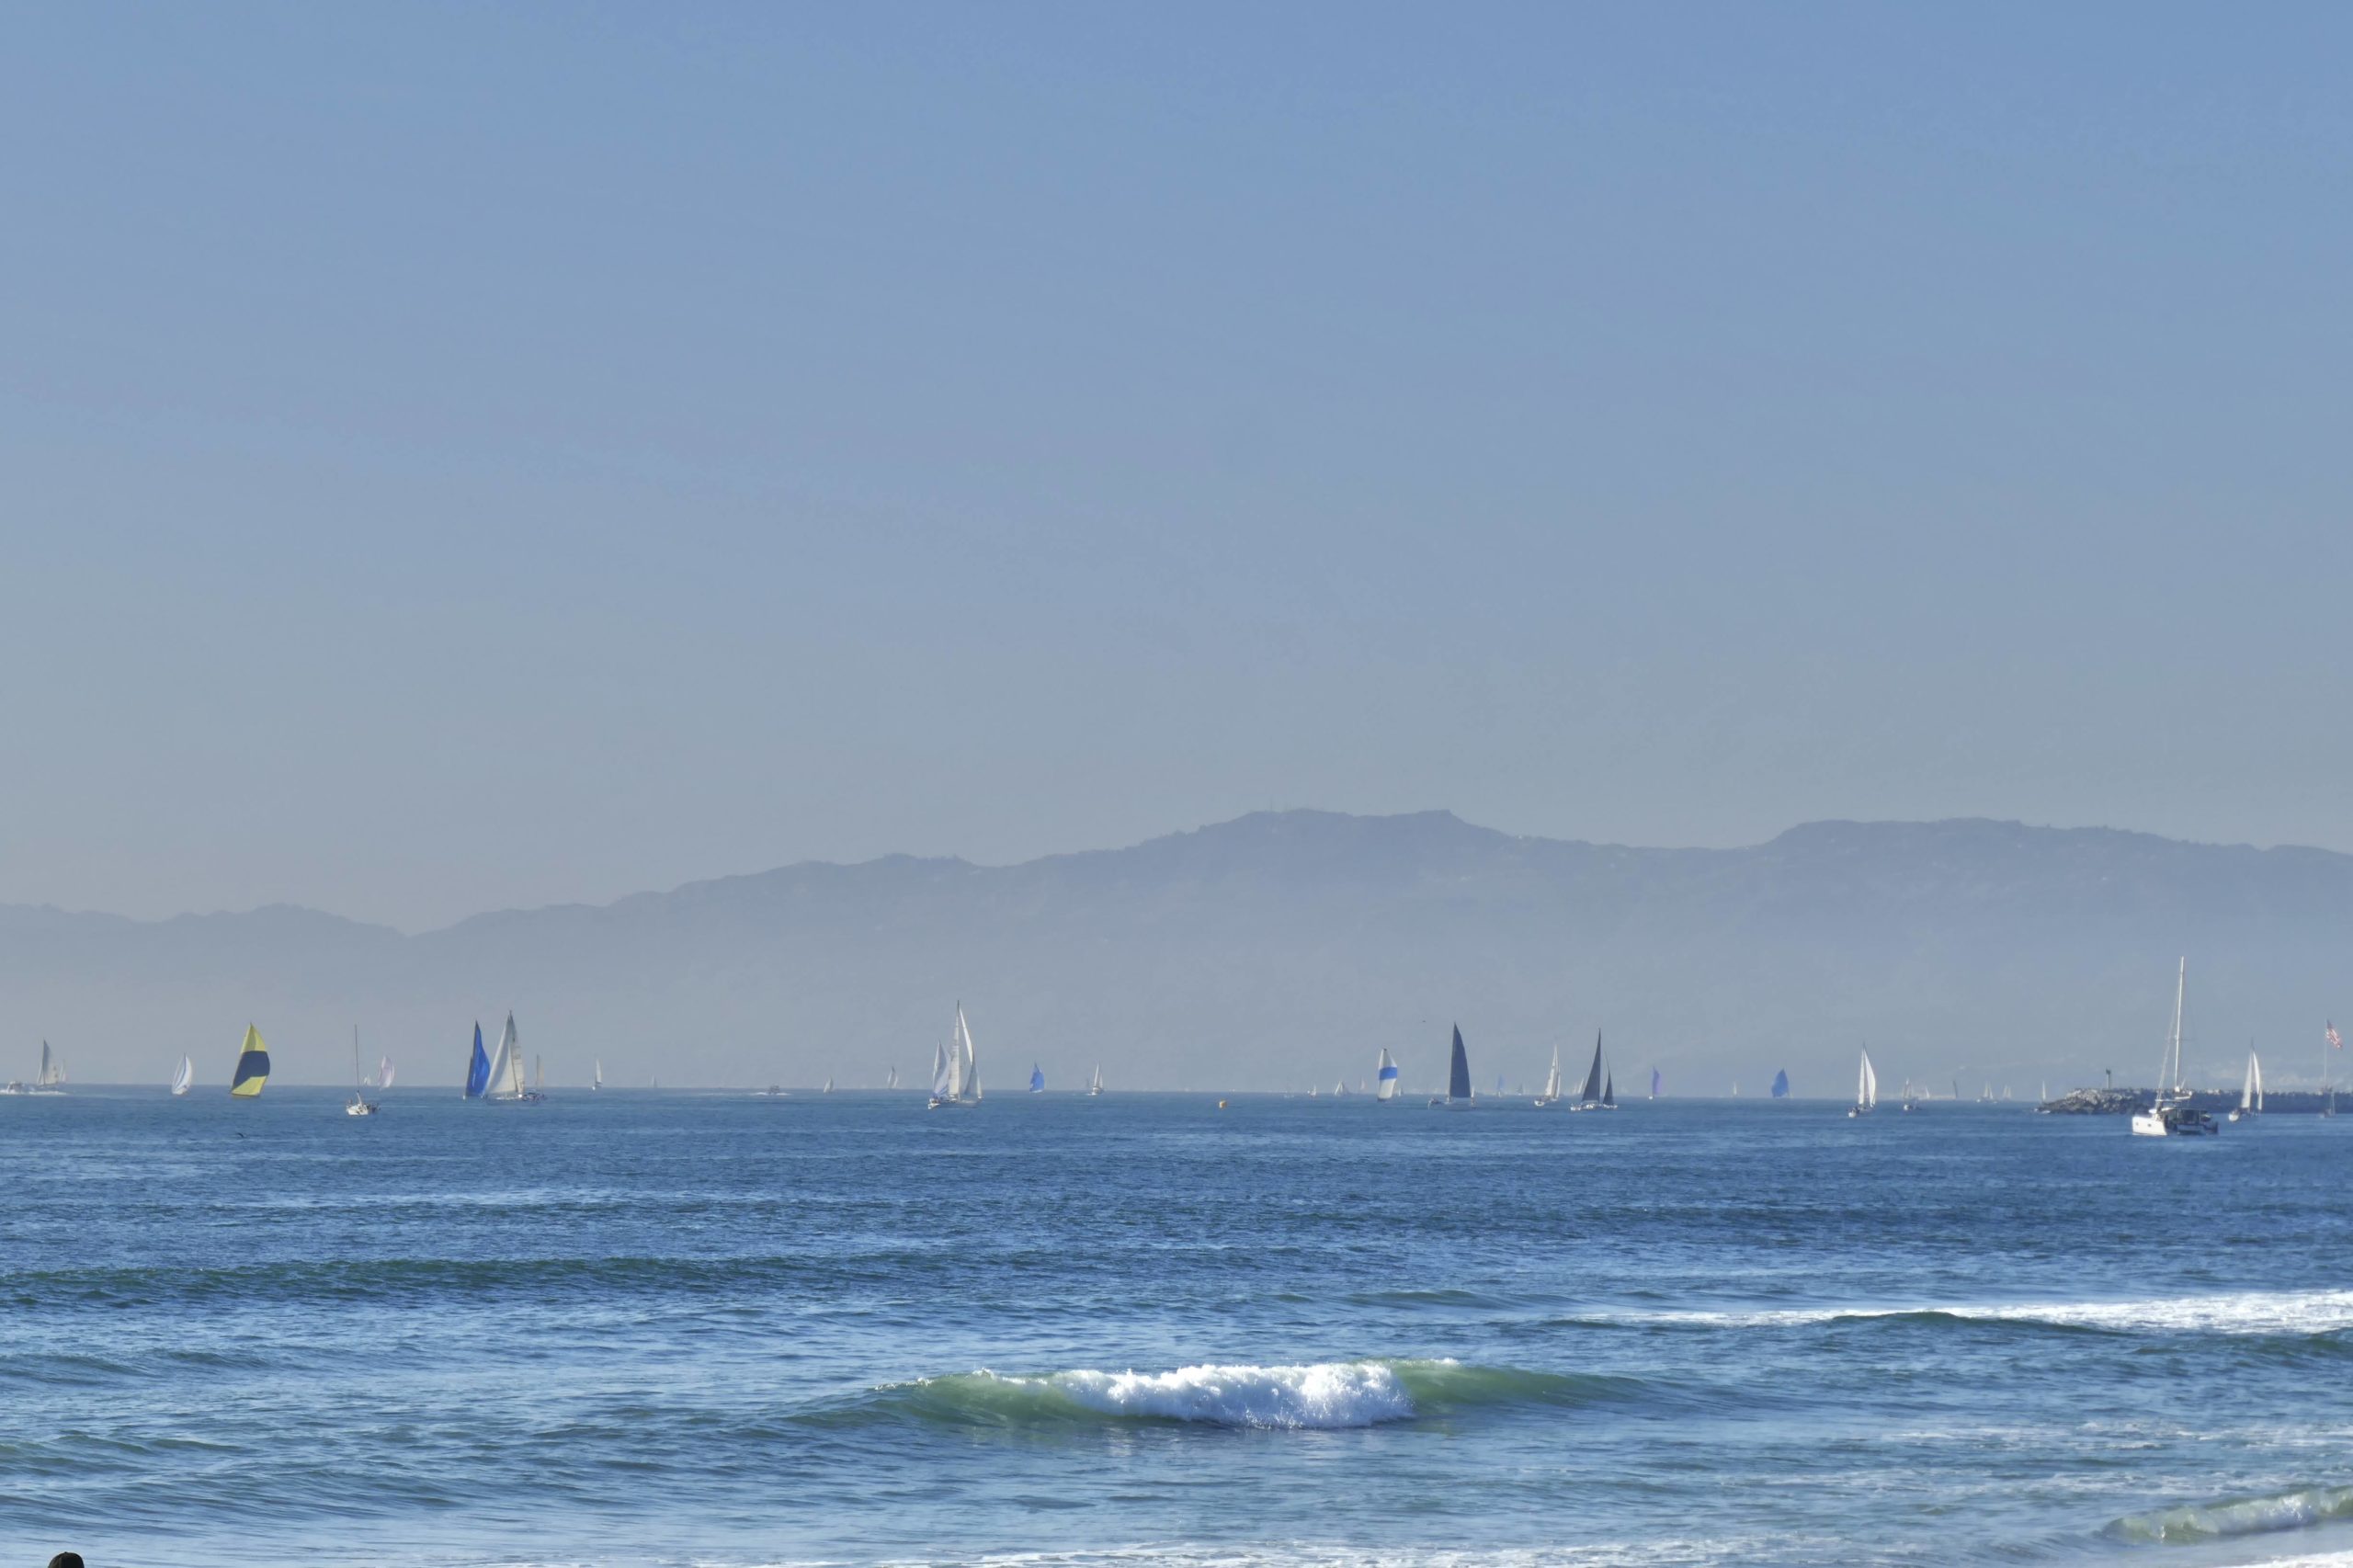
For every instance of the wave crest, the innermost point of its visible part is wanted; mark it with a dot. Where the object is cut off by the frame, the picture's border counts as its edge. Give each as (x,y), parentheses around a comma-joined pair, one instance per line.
(2245,1515)
(1310,1396)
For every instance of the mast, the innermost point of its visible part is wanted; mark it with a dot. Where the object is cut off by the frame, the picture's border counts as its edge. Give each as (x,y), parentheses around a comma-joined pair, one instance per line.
(2169,1084)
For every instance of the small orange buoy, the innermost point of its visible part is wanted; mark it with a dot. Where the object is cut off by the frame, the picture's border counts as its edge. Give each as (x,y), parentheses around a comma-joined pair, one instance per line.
(1221,1105)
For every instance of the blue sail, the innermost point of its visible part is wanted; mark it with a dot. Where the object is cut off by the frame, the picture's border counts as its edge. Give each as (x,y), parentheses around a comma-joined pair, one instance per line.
(1781,1085)
(1388,1073)
(1037,1079)
(478,1070)
(1654,1083)
(1458,1078)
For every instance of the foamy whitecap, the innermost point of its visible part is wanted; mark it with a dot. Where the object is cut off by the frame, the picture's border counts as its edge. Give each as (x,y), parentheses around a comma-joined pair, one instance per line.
(2242,1312)
(2246,1515)
(1320,1394)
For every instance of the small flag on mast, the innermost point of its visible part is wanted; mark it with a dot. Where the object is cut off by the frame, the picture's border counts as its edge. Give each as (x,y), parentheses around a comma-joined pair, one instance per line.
(2333,1041)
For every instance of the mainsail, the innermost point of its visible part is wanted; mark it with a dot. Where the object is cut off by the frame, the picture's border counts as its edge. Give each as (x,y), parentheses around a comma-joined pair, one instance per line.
(1386,1077)
(1591,1094)
(253,1066)
(383,1071)
(1037,1079)
(2251,1092)
(184,1078)
(52,1070)
(506,1065)
(1654,1083)
(1867,1085)
(1458,1077)
(597,1082)
(1552,1080)
(1781,1085)
(1610,1092)
(1096,1088)
(477,1068)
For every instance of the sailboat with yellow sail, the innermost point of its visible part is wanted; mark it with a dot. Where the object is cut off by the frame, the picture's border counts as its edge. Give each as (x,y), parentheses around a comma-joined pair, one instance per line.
(253,1066)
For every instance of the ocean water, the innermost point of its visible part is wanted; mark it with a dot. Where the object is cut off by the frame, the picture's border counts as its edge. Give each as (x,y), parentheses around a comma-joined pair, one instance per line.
(676,1328)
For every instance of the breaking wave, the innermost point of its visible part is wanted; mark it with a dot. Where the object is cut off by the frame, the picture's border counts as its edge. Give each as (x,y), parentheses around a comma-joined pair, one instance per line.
(2236,1313)
(2245,1515)
(1312,1396)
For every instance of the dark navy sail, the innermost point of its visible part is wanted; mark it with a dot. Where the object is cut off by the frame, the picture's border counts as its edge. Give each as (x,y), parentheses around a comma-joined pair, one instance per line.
(1458,1078)
(478,1070)
(1609,1091)
(1781,1085)
(1591,1094)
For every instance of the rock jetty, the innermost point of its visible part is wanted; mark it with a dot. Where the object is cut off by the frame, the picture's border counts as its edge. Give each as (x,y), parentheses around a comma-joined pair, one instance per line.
(2216,1102)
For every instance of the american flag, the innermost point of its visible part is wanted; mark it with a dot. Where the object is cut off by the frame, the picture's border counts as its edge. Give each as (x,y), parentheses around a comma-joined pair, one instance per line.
(2332,1040)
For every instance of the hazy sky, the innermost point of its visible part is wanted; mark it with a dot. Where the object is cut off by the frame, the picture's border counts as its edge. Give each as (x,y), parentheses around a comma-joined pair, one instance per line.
(454,458)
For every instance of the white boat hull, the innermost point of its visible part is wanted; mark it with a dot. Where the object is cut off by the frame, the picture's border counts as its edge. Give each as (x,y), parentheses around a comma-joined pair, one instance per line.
(2180,1124)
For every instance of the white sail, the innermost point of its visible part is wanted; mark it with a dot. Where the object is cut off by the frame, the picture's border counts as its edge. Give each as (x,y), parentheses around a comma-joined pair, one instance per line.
(52,1070)
(1386,1077)
(1552,1078)
(943,1072)
(2250,1091)
(184,1078)
(1096,1086)
(2257,1068)
(383,1071)
(598,1081)
(1867,1084)
(506,1065)
(972,1084)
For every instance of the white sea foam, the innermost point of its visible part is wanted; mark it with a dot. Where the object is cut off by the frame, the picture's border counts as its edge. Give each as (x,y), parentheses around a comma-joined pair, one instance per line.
(2238,1312)
(2246,1515)
(1320,1394)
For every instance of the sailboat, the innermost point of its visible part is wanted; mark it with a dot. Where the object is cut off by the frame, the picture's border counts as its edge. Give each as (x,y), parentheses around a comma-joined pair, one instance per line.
(955,1070)
(253,1066)
(1866,1089)
(1458,1077)
(383,1071)
(50,1081)
(1385,1077)
(891,1079)
(2172,1116)
(1782,1083)
(2327,1064)
(184,1078)
(1654,1083)
(597,1082)
(1095,1087)
(359,1104)
(507,1084)
(1551,1095)
(2250,1092)
(1037,1079)
(1590,1096)
(1339,1087)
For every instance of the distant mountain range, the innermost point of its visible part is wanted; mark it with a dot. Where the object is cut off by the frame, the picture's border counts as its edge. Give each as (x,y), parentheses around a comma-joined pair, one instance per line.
(1277,950)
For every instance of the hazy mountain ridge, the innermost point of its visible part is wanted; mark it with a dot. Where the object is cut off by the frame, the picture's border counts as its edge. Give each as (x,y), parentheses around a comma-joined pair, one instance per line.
(1277,948)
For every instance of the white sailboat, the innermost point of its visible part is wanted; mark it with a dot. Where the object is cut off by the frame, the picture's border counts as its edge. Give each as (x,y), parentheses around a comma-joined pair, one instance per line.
(507,1083)
(891,1079)
(1385,1077)
(384,1073)
(2250,1092)
(50,1081)
(184,1078)
(2172,1116)
(597,1082)
(1095,1085)
(955,1070)
(359,1104)
(1552,1094)
(1866,1089)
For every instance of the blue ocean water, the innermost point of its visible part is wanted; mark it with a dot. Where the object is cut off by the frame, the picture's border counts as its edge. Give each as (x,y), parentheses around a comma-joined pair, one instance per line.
(681,1328)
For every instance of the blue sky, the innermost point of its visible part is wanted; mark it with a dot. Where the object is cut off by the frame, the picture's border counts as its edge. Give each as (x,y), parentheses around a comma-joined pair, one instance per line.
(460,457)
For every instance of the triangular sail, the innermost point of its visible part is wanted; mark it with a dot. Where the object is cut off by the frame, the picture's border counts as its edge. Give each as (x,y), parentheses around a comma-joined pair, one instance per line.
(1095,1087)
(2250,1091)
(1458,1077)
(253,1066)
(943,1072)
(970,1057)
(1609,1090)
(477,1068)
(383,1071)
(2251,1061)
(1037,1079)
(1654,1083)
(1591,1094)
(597,1082)
(184,1076)
(1781,1085)
(52,1069)
(1552,1078)
(1867,1084)
(1385,1077)
(506,1065)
